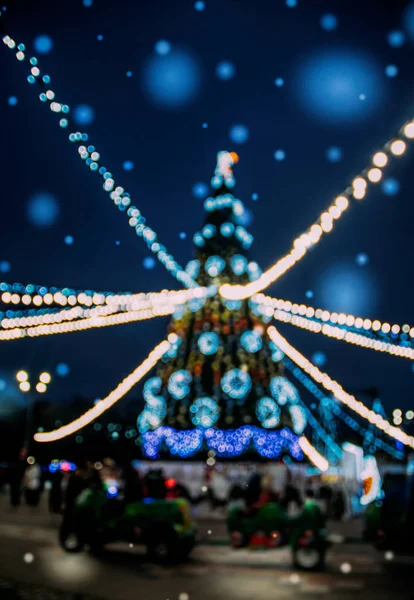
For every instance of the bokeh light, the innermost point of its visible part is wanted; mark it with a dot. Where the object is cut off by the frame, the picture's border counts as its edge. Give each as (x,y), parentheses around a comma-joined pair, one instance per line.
(391,71)
(408,20)
(362,259)
(199,5)
(148,262)
(309,294)
(5,266)
(245,219)
(42,210)
(279,155)
(329,22)
(255,196)
(346,288)
(62,369)
(239,134)
(182,235)
(331,85)
(162,47)
(171,81)
(83,114)
(200,190)
(333,154)
(225,70)
(390,186)
(12,100)
(279,82)
(396,38)
(43,44)
(128,165)
(319,359)
(69,239)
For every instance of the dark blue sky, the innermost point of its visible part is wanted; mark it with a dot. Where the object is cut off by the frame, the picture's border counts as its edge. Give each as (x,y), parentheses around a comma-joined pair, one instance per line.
(335,93)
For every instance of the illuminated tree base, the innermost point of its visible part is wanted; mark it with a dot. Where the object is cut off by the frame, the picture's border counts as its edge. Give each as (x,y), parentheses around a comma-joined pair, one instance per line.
(225,443)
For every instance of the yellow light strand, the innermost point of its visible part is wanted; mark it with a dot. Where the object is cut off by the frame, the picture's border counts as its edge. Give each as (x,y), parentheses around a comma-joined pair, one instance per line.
(87,323)
(350,337)
(314,456)
(324,223)
(338,392)
(57,317)
(103,405)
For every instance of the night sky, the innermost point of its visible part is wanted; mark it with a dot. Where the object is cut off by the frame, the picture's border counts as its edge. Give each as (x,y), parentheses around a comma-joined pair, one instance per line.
(304,91)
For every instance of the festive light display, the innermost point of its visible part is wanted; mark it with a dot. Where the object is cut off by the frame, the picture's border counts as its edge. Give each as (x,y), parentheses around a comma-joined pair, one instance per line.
(338,391)
(371,480)
(100,407)
(238,364)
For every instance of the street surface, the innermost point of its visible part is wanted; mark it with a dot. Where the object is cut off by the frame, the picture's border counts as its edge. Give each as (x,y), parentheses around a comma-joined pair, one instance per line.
(33,566)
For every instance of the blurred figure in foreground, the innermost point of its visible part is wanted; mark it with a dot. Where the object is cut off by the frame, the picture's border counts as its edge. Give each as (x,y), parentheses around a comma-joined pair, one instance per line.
(32,482)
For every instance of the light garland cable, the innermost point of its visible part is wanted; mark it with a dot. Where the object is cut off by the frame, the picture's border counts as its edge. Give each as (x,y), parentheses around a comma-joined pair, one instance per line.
(338,333)
(374,326)
(336,409)
(103,405)
(314,456)
(337,391)
(326,220)
(91,157)
(86,323)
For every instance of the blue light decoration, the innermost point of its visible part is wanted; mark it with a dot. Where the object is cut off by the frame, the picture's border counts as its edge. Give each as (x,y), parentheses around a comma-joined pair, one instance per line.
(162,47)
(225,70)
(244,237)
(391,71)
(214,265)
(227,229)
(43,44)
(254,271)
(69,239)
(12,100)
(329,85)
(200,190)
(309,294)
(298,416)
(99,37)
(246,218)
(171,81)
(5,266)
(251,341)
(112,491)
(283,391)
(62,369)
(182,235)
(225,443)
(277,353)
(279,82)
(196,304)
(390,186)
(319,359)
(408,20)
(199,5)
(239,134)
(329,22)
(179,384)
(128,165)
(268,412)
(279,155)
(83,114)
(204,412)
(236,383)
(347,288)
(209,231)
(198,239)
(193,268)
(42,210)
(208,343)
(148,262)
(238,264)
(396,38)
(333,154)
(255,197)
(233,304)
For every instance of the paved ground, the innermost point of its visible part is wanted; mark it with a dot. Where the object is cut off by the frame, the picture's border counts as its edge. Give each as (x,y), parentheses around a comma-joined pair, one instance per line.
(33,567)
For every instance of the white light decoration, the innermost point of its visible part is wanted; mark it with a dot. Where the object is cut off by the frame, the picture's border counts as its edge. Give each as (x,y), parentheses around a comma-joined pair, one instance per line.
(298,416)
(238,264)
(208,343)
(41,387)
(338,392)
(22,376)
(24,386)
(268,412)
(314,456)
(398,147)
(45,378)
(100,407)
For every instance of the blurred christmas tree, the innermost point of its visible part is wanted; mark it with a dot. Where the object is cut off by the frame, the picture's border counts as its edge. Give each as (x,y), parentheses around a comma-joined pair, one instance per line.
(221,384)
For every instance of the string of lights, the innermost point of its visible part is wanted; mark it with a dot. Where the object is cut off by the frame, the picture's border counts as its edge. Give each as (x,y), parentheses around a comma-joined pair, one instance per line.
(337,410)
(91,156)
(314,456)
(40,295)
(68,314)
(337,391)
(327,219)
(118,393)
(342,334)
(322,433)
(393,332)
(86,323)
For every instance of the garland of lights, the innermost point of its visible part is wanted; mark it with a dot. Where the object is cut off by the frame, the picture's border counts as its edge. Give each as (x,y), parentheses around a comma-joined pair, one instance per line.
(91,157)
(336,409)
(337,391)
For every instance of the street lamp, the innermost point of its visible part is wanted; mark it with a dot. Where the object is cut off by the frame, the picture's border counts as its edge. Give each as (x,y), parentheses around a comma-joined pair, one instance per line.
(41,386)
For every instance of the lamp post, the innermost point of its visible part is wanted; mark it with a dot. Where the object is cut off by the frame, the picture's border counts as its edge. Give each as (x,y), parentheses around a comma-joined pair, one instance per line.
(26,387)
